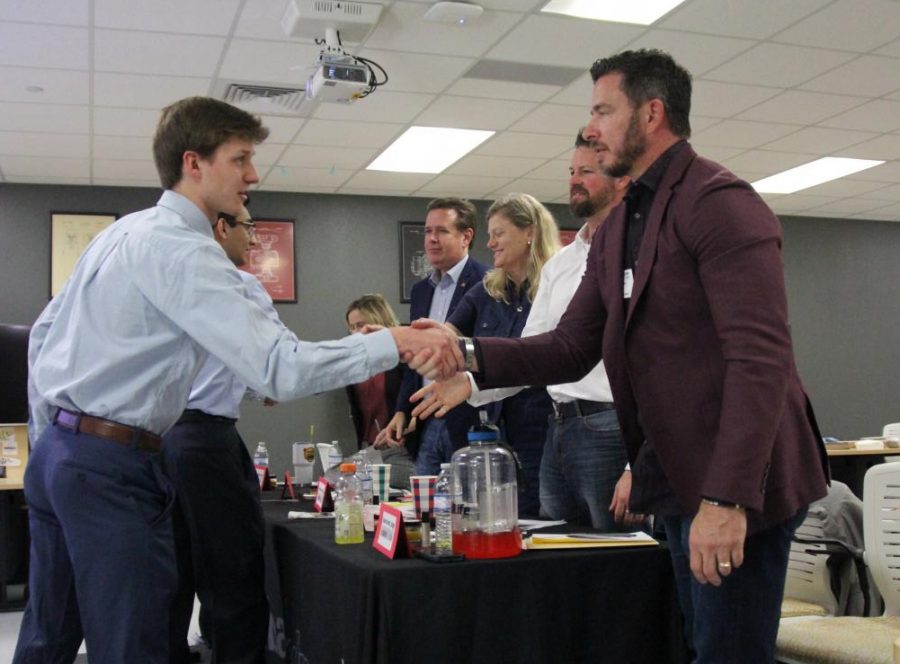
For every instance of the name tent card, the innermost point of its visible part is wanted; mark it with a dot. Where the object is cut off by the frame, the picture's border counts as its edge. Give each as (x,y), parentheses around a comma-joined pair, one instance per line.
(390,535)
(324,501)
(287,491)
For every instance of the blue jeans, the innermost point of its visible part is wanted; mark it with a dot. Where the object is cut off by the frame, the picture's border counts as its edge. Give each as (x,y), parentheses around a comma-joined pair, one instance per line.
(583,459)
(738,621)
(435,447)
(102,557)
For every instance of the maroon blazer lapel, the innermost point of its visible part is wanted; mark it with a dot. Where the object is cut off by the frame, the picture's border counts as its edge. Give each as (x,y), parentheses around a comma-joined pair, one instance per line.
(647,254)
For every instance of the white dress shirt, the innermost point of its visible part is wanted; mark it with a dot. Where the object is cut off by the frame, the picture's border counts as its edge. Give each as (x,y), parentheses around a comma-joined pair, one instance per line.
(560,278)
(148,299)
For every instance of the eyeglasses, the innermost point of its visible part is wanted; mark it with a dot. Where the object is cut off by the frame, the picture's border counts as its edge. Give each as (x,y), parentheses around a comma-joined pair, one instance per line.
(249,226)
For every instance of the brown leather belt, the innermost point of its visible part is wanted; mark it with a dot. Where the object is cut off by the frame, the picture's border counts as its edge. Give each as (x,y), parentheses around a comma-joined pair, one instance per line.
(118,433)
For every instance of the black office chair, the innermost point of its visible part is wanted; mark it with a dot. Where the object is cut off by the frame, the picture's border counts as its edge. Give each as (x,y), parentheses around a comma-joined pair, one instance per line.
(13,511)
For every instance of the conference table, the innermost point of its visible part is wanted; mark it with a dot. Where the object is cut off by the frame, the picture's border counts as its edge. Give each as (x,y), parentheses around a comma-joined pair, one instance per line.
(351,604)
(850,465)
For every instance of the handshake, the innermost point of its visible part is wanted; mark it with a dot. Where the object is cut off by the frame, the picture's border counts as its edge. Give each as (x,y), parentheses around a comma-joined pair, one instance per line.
(430,348)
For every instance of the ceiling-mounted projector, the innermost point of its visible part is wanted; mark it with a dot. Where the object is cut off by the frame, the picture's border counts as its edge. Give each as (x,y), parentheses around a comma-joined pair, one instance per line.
(339,82)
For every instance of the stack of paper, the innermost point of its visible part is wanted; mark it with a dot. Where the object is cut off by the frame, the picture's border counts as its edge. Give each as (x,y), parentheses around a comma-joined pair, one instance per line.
(586,540)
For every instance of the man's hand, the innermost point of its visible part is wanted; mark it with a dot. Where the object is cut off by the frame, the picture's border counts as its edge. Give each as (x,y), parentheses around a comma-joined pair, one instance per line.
(717,542)
(393,434)
(439,397)
(430,348)
(620,500)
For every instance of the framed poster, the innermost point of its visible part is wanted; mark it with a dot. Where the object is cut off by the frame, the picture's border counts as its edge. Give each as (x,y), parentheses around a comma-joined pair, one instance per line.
(272,259)
(414,264)
(70,234)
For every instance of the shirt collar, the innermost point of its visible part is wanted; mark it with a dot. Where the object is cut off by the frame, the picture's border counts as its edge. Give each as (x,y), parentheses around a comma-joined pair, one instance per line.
(187,210)
(453,272)
(651,178)
(583,236)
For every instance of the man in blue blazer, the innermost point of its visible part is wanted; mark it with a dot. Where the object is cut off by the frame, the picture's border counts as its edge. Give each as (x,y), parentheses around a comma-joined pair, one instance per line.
(449,232)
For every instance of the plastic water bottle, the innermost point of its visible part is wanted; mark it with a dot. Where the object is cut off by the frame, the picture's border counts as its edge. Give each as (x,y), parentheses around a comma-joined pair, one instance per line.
(261,461)
(443,526)
(348,510)
(365,482)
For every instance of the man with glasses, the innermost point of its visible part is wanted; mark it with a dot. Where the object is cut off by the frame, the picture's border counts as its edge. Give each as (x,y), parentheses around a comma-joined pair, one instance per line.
(218,521)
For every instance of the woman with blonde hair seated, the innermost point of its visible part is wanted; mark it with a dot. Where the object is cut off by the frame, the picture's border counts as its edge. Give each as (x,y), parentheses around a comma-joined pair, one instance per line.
(373,400)
(522,235)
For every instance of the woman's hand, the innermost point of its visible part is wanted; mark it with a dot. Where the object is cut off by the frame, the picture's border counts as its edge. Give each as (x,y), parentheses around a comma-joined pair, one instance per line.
(439,397)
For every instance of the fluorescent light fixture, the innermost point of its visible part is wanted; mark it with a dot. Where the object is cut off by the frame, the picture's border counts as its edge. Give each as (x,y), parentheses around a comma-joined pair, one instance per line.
(811,174)
(428,149)
(642,12)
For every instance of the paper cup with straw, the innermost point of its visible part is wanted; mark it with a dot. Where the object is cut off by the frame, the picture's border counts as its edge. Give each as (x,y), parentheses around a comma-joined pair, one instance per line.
(423,494)
(381,480)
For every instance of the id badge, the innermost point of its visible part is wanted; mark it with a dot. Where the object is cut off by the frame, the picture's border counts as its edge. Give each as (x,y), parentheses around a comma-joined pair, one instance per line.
(627,283)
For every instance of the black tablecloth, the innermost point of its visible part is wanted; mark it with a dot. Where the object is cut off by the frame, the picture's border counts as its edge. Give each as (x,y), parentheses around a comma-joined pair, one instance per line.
(351,604)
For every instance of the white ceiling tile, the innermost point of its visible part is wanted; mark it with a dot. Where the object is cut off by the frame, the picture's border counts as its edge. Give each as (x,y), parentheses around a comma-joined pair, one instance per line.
(479,87)
(818,140)
(779,65)
(868,75)
(508,167)
(887,213)
(757,20)
(743,133)
(696,53)
(554,119)
(885,147)
(724,100)
(384,181)
(137,91)
(355,134)
(889,172)
(415,72)
(261,19)
(892,49)
(473,113)
(198,17)
(307,189)
(792,203)
(40,179)
(59,86)
(555,169)
(888,193)
(156,53)
(380,106)
(465,186)
(126,182)
(314,177)
(699,122)
(877,115)
(44,144)
(845,207)
(125,121)
(125,169)
(845,188)
(765,162)
(851,25)
(61,12)
(716,152)
(281,129)
(402,28)
(56,167)
(286,63)
(521,144)
(122,147)
(51,46)
(797,107)
(549,40)
(543,190)
(577,93)
(311,156)
(509,5)
(268,153)
(44,117)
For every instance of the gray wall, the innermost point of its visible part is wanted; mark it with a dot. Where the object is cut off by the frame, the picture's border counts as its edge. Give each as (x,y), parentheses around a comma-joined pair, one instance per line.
(842,278)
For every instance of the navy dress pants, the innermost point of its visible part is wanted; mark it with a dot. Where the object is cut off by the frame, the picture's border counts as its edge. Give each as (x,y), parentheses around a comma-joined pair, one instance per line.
(219,537)
(102,556)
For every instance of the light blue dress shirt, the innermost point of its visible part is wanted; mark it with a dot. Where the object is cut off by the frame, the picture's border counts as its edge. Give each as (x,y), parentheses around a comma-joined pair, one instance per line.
(216,390)
(148,299)
(443,291)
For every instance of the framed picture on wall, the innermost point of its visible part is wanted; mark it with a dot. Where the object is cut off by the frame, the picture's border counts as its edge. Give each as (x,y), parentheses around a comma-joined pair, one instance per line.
(272,259)
(70,234)
(414,264)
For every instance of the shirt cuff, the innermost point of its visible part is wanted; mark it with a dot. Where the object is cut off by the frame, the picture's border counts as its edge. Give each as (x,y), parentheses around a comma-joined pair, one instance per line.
(381,350)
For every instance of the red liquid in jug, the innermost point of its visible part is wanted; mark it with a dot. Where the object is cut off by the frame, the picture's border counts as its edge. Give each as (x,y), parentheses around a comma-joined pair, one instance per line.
(477,544)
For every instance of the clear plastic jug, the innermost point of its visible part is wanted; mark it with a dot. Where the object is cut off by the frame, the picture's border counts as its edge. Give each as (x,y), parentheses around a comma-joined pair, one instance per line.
(485,497)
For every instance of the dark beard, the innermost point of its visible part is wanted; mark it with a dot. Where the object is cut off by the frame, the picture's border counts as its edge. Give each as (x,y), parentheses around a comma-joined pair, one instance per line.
(635,146)
(583,209)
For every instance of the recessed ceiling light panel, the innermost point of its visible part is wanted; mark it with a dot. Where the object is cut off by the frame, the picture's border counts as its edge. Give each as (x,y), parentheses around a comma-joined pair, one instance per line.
(641,12)
(428,149)
(811,174)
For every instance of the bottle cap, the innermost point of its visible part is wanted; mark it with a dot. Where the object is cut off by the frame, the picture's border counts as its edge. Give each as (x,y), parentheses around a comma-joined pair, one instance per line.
(348,467)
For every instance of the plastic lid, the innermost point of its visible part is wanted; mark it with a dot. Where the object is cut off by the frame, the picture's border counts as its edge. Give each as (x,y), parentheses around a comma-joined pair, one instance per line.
(484,435)
(348,467)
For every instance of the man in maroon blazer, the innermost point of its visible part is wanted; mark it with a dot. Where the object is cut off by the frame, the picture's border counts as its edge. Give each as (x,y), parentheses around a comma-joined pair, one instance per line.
(684,300)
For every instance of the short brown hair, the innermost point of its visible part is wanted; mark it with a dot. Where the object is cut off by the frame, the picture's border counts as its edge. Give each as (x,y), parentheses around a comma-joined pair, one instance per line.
(465,211)
(199,124)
